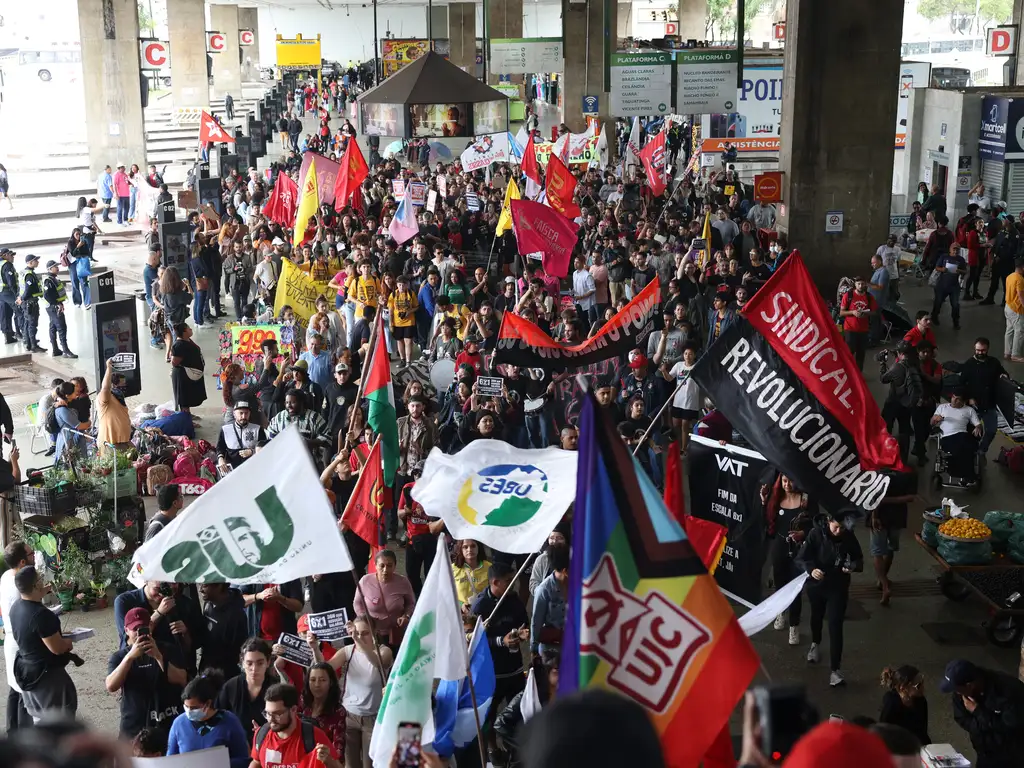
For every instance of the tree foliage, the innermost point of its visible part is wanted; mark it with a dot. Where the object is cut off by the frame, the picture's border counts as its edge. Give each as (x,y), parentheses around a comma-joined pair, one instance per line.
(146,21)
(720,22)
(961,13)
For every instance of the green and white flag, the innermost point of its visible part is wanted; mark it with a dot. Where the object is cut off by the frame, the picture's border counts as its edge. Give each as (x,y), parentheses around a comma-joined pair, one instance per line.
(268,522)
(434,646)
(508,498)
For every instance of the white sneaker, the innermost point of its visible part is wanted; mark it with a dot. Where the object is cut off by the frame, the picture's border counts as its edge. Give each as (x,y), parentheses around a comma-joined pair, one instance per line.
(780,622)
(812,654)
(836,678)
(794,635)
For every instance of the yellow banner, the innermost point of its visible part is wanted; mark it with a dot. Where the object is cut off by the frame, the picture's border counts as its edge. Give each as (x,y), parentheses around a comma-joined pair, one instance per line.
(583,154)
(398,53)
(297,289)
(298,52)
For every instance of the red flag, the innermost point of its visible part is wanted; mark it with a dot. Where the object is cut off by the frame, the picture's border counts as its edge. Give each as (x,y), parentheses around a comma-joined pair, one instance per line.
(706,538)
(539,228)
(720,753)
(529,164)
(350,175)
(283,201)
(561,187)
(653,158)
(362,513)
(210,131)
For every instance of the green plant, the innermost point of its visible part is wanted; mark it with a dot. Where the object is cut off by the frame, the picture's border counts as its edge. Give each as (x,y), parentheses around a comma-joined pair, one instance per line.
(116,570)
(68,524)
(74,569)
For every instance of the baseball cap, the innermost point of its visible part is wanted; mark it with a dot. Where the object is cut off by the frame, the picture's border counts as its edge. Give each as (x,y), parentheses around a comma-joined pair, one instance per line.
(510,279)
(242,404)
(135,618)
(7,252)
(302,624)
(51,263)
(30,258)
(340,367)
(277,241)
(301,365)
(638,361)
(839,745)
(120,165)
(958,672)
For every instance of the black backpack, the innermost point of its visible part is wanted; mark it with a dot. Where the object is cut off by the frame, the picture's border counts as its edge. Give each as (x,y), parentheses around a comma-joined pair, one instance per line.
(308,735)
(50,422)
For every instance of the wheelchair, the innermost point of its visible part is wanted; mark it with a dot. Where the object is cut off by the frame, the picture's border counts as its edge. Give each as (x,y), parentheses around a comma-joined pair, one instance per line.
(941,476)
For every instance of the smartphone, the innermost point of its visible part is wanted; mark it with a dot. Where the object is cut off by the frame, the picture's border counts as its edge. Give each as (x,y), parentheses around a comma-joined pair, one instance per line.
(835,718)
(785,715)
(142,631)
(409,745)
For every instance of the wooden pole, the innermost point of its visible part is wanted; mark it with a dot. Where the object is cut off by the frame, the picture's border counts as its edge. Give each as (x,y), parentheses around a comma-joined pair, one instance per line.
(373,632)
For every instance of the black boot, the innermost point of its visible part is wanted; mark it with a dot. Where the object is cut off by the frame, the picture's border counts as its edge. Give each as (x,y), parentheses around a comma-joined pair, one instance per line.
(69,353)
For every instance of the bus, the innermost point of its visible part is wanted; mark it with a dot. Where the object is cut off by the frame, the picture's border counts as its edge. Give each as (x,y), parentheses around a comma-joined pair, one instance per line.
(51,63)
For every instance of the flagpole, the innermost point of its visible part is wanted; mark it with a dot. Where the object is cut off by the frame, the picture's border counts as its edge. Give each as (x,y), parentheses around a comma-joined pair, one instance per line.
(469,674)
(366,368)
(511,584)
(373,631)
(661,411)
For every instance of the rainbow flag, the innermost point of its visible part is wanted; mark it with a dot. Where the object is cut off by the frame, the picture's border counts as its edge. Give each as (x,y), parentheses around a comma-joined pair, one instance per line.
(644,617)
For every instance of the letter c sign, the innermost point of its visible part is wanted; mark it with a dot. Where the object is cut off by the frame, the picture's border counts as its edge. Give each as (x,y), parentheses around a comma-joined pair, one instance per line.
(154,54)
(216,43)
(246,37)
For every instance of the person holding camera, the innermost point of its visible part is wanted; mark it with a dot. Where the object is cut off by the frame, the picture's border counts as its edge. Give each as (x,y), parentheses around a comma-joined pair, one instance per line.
(174,618)
(402,306)
(149,676)
(829,554)
(905,391)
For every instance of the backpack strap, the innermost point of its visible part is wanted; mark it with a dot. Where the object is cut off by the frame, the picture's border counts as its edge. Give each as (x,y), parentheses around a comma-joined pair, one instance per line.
(261,736)
(308,735)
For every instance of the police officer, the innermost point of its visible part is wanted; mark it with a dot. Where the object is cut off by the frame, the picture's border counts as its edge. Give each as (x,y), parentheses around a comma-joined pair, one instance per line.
(9,287)
(31,292)
(56,295)
(239,439)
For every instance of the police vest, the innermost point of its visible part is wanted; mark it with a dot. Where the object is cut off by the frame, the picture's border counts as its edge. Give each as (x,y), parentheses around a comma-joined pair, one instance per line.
(238,438)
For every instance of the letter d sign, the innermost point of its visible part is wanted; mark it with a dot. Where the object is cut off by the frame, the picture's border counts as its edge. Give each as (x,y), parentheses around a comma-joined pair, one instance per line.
(1001,41)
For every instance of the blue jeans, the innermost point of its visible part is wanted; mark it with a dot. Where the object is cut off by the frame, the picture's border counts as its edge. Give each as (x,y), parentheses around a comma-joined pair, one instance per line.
(86,296)
(132,200)
(198,304)
(538,429)
(122,210)
(76,284)
(990,419)
(348,311)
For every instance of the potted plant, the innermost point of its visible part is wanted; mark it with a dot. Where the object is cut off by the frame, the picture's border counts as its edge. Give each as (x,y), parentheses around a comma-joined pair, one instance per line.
(116,572)
(73,572)
(99,590)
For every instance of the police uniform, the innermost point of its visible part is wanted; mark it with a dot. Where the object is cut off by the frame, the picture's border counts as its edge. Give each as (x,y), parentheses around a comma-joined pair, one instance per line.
(9,291)
(56,295)
(31,292)
(236,443)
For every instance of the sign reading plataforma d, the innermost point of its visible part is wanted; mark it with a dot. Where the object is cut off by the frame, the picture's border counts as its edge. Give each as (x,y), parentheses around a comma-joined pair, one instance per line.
(267,522)
(641,84)
(706,81)
(508,498)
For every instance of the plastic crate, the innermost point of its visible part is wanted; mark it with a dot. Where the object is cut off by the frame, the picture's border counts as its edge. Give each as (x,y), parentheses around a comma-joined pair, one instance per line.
(47,502)
(127,484)
(42,524)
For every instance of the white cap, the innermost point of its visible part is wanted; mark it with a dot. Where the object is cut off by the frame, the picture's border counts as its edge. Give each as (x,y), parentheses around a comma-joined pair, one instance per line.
(277,241)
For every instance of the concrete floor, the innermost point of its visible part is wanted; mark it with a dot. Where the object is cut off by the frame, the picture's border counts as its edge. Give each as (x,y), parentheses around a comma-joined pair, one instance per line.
(921,626)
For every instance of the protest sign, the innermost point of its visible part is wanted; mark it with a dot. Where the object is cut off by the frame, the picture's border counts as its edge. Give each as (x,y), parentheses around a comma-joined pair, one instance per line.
(329,625)
(248,339)
(214,757)
(295,649)
(299,290)
(489,386)
(725,485)
(123,362)
(417,193)
(472,201)
(398,189)
(431,200)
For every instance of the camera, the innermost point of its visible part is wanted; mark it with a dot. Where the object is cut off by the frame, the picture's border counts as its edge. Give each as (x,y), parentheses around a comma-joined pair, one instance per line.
(786,715)
(166,590)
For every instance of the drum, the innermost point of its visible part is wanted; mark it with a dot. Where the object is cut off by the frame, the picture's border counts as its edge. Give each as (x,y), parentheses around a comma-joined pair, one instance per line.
(442,374)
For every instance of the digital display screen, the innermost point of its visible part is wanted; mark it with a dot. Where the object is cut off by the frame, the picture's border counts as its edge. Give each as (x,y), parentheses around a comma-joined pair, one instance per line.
(490,117)
(440,120)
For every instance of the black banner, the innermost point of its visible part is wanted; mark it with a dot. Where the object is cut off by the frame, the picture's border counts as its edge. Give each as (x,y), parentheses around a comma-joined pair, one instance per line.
(725,486)
(767,404)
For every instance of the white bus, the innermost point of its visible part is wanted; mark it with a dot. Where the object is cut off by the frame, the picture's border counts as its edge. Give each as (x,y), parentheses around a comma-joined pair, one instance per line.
(62,64)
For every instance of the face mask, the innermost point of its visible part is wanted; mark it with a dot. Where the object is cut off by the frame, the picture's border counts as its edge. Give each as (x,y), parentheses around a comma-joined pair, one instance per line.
(195,715)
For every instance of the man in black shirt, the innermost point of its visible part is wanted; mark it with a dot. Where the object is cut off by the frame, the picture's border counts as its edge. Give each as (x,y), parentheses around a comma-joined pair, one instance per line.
(169,502)
(43,652)
(174,617)
(265,387)
(339,396)
(226,628)
(980,376)
(149,676)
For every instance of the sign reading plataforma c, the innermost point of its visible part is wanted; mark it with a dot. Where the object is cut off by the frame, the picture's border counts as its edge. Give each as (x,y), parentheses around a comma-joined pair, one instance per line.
(508,498)
(267,522)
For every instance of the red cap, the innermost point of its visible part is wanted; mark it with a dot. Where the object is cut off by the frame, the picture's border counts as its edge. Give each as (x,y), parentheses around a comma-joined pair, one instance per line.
(135,618)
(302,624)
(839,745)
(638,362)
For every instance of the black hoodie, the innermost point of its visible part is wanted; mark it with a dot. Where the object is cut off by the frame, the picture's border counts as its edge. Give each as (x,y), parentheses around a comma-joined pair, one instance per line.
(226,630)
(821,550)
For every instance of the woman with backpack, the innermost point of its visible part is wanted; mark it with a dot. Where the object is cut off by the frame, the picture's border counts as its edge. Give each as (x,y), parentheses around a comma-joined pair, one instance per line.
(63,422)
(76,248)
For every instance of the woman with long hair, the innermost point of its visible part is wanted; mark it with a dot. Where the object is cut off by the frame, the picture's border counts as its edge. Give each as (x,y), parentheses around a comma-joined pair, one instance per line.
(76,248)
(235,388)
(469,567)
(80,401)
(903,702)
(204,725)
(187,371)
(243,694)
(86,212)
(175,298)
(134,177)
(321,703)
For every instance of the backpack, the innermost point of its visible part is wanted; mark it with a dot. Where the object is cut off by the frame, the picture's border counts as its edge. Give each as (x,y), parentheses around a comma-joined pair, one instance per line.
(308,735)
(50,423)
(1013,459)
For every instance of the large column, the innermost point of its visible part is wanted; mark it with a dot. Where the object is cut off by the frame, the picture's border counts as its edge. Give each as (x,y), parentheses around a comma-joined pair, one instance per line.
(624,22)
(227,70)
(587,32)
(838,130)
(462,35)
(248,18)
(692,19)
(113,92)
(186,29)
(504,19)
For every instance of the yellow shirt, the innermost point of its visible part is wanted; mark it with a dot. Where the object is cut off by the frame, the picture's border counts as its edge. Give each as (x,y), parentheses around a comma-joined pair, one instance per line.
(401,304)
(1015,292)
(364,290)
(470,582)
(460,314)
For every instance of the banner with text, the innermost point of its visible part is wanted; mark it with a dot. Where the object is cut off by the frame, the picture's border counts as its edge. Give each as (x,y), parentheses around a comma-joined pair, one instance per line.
(297,289)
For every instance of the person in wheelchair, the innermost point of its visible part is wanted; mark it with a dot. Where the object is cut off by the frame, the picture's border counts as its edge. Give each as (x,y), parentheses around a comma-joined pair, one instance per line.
(959,432)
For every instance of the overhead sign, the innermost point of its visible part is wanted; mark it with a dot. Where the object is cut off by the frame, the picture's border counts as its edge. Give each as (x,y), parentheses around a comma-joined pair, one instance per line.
(216,42)
(779,31)
(298,53)
(246,37)
(992,135)
(1001,41)
(671,28)
(706,81)
(753,124)
(590,105)
(522,55)
(641,84)
(154,54)
(768,187)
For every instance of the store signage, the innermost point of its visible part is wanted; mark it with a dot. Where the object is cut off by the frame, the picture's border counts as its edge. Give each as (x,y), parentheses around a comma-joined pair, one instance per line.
(154,54)
(216,42)
(768,187)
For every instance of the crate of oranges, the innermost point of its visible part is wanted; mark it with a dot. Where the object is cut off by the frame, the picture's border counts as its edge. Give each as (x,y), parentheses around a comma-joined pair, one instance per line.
(965,529)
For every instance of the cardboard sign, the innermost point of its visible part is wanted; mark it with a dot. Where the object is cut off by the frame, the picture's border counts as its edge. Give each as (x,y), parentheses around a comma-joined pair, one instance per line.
(442,185)
(472,201)
(329,625)
(431,200)
(418,193)
(214,757)
(398,189)
(248,339)
(123,362)
(489,386)
(295,650)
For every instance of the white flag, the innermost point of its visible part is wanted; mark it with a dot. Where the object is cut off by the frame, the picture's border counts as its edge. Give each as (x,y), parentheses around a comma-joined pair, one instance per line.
(633,146)
(529,704)
(487,149)
(434,646)
(508,498)
(267,522)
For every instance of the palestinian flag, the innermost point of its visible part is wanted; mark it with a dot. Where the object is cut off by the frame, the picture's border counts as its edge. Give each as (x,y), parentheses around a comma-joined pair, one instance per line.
(381,414)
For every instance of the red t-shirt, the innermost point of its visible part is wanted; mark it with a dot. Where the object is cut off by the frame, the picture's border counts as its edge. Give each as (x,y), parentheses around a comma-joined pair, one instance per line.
(417,523)
(915,337)
(475,360)
(852,301)
(271,623)
(276,752)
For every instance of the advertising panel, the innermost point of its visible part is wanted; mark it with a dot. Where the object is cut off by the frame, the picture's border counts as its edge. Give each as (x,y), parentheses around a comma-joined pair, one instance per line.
(913,74)
(397,53)
(490,117)
(754,125)
(441,120)
(383,119)
(992,135)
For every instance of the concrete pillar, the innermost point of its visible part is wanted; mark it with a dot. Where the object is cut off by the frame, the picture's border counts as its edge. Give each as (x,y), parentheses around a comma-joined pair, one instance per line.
(227,69)
(462,35)
(248,18)
(838,130)
(585,32)
(692,19)
(504,19)
(437,21)
(115,128)
(624,22)
(186,29)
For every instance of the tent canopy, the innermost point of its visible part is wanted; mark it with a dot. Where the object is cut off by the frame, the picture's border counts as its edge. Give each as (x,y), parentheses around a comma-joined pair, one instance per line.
(431,79)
